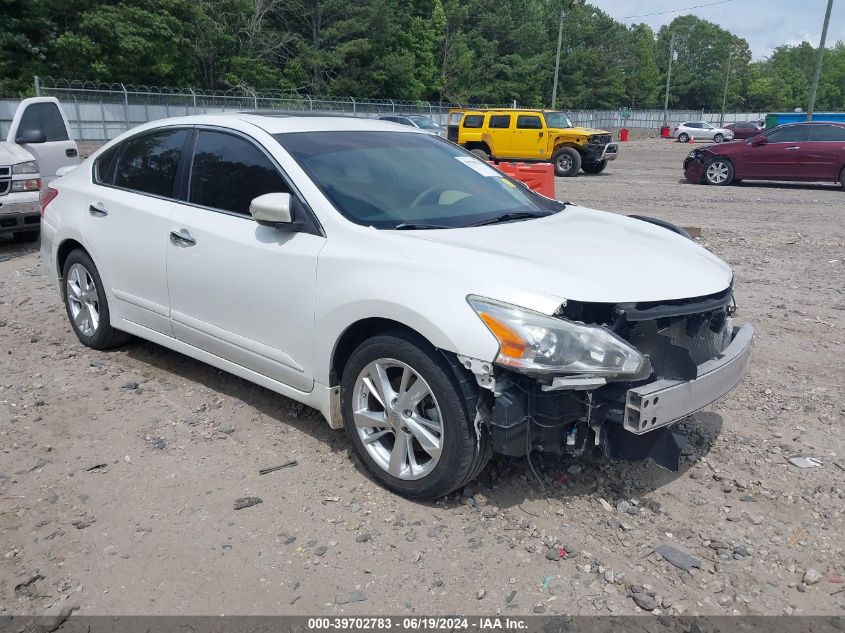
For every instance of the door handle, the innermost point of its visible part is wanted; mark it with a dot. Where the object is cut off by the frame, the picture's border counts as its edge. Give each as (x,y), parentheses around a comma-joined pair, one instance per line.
(98,211)
(794,147)
(182,238)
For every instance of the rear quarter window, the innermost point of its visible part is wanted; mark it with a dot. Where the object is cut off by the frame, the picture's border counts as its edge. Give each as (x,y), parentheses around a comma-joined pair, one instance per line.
(473,120)
(104,165)
(148,163)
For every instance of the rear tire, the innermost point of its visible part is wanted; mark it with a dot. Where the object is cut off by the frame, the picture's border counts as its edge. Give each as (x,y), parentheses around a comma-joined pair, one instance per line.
(86,304)
(594,168)
(447,411)
(719,172)
(481,154)
(27,236)
(683,137)
(567,162)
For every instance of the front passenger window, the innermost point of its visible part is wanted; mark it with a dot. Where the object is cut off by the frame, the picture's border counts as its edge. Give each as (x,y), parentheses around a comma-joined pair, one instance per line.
(229,171)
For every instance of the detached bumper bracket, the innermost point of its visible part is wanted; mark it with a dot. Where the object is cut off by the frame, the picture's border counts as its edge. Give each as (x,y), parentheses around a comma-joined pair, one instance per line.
(663,402)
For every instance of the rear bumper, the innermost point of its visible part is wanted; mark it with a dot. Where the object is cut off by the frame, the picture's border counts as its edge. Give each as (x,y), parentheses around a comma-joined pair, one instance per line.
(19,212)
(663,402)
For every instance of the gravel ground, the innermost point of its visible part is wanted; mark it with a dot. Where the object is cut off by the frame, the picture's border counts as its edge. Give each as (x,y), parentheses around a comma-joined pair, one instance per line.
(120,470)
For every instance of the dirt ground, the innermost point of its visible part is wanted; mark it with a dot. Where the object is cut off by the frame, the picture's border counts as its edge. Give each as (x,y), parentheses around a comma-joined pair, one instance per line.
(119,470)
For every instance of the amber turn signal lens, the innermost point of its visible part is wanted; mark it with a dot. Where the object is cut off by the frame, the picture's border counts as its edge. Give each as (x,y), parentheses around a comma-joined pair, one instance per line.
(510,343)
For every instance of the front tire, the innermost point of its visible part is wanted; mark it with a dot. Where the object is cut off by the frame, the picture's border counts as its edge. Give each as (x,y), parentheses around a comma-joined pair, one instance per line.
(567,162)
(718,138)
(842,177)
(719,172)
(594,168)
(410,416)
(86,303)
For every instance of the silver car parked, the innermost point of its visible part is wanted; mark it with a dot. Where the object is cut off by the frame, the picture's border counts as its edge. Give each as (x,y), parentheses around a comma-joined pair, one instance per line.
(701,130)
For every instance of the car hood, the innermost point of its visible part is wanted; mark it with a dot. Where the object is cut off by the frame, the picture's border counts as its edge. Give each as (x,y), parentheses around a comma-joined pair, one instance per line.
(577,254)
(11,153)
(577,131)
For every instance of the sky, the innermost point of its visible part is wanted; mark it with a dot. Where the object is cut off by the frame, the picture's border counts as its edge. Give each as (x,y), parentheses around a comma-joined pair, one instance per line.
(765,24)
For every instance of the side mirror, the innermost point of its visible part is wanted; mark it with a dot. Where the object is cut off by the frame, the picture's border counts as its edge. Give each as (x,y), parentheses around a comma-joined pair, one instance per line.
(272,209)
(26,137)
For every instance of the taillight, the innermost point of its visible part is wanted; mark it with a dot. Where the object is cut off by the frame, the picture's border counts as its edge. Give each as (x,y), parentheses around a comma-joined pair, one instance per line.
(46,197)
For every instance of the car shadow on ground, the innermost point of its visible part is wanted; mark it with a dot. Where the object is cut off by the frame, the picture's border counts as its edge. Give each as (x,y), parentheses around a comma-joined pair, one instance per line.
(12,249)
(771,184)
(507,482)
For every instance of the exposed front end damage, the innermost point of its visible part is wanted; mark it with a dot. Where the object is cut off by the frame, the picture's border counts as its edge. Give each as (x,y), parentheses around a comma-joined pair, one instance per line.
(695,356)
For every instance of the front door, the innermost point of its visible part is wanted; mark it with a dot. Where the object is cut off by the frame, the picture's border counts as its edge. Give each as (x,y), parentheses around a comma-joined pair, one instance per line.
(778,158)
(239,290)
(125,223)
(43,114)
(529,138)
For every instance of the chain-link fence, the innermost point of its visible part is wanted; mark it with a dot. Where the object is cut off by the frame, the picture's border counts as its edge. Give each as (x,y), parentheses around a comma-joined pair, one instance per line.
(98,112)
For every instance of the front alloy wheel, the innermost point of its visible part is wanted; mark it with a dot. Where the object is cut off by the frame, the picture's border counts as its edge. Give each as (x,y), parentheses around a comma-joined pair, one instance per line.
(719,172)
(398,419)
(408,411)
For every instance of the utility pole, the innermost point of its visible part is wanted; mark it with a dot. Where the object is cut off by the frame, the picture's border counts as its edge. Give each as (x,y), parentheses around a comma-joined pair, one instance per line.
(819,59)
(572,4)
(557,59)
(725,93)
(668,80)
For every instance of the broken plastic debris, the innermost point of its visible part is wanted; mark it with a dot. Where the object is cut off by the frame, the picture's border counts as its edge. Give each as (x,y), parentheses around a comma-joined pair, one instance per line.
(546,582)
(679,559)
(805,462)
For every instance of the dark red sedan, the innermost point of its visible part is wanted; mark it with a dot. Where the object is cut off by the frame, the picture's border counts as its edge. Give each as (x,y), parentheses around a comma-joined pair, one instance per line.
(813,151)
(744,129)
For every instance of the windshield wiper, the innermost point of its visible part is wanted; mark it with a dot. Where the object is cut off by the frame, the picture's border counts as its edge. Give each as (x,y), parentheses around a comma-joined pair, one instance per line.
(411,226)
(507,217)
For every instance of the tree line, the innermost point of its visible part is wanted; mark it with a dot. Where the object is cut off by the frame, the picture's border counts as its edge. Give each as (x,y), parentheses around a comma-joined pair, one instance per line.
(471,51)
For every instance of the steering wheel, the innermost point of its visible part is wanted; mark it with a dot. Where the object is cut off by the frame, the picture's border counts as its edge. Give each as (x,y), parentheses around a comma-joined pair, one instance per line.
(424,195)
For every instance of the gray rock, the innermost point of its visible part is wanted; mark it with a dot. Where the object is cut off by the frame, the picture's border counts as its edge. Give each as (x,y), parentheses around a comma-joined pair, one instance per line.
(363,538)
(742,551)
(645,601)
(353,596)
(246,502)
(811,576)
(130,385)
(553,553)
(56,614)
(679,559)
(539,608)
(481,593)
(321,551)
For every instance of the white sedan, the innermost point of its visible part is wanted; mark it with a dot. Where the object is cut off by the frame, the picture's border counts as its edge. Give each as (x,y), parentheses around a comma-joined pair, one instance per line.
(703,131)
(416,296)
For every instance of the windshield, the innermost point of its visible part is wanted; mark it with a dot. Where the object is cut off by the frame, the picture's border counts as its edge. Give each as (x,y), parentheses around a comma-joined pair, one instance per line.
(557,119)
(423,122)
(401,180)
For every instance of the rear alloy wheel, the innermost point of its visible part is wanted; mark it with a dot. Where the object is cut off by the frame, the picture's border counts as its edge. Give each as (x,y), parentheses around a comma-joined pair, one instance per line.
(683,137)
(408,418)
(567,162)
(594,168)
(718,138)
(719,172)
(86,304)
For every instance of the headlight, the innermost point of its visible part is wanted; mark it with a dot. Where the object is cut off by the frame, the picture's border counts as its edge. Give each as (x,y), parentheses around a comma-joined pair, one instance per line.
(535,342)
(693,154)
(29,167)
(33,184)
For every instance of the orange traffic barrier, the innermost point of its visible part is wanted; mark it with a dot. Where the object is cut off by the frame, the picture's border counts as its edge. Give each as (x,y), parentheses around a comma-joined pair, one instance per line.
(538,176)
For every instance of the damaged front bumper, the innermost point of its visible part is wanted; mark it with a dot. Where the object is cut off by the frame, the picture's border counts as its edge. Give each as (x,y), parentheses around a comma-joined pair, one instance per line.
(698,358)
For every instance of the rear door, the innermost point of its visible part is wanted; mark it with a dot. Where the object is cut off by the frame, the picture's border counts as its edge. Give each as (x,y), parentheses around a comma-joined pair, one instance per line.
(239,290)
(529,137)
(779,158)
(822,151)
(45,115)
(125,223)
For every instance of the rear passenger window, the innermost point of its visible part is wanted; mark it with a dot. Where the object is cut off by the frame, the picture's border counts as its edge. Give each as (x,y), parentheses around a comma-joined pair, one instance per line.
(104,165)
(229,171)
(46,118)
(524,122)
(500,121)
(473,120)
(825,133)
(148,164)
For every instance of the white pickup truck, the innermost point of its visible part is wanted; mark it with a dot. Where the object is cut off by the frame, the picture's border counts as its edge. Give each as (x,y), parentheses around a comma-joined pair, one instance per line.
(37,148)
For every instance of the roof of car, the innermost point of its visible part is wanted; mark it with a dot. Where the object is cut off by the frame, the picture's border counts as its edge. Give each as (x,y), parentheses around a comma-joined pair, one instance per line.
(280,122)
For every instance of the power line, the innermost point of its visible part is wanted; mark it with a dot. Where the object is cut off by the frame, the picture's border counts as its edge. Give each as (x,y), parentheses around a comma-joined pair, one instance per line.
(698,6)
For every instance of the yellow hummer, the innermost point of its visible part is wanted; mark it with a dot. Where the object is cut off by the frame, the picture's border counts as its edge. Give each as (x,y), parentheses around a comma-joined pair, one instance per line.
(531,136)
